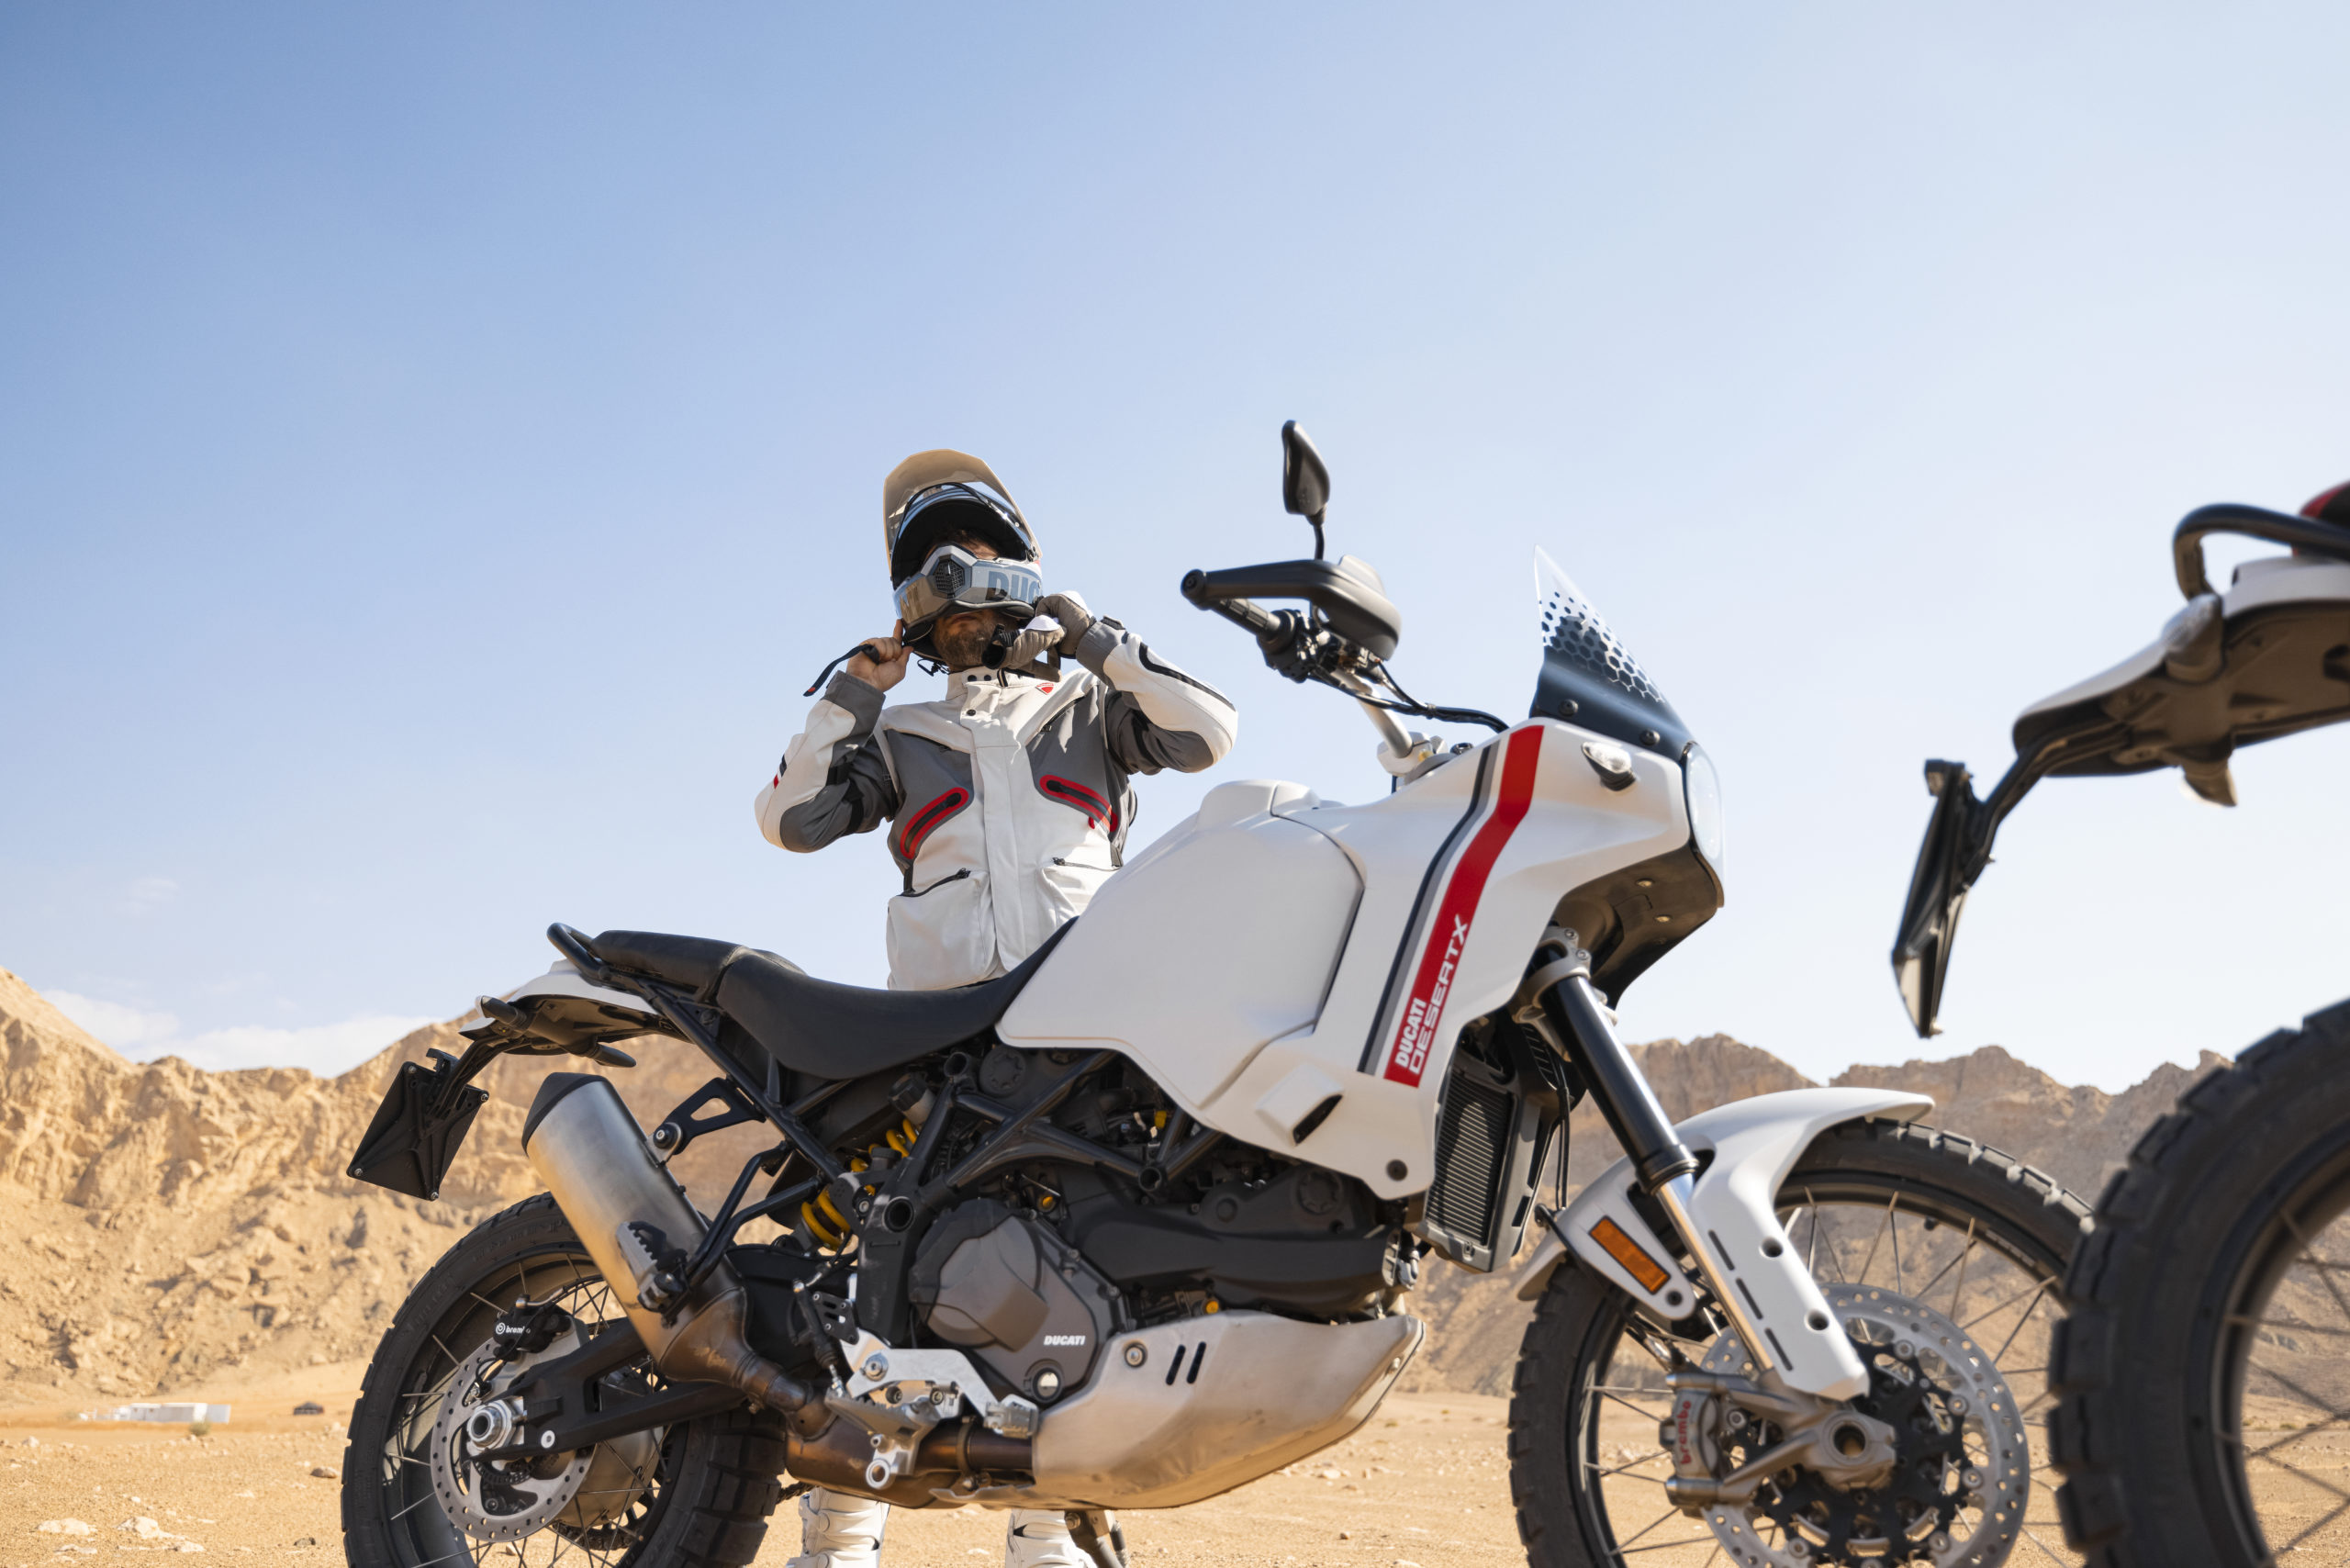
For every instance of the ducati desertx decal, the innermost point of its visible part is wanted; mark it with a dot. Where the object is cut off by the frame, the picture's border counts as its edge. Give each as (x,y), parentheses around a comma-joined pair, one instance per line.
(1064,1339)
(1407,1056)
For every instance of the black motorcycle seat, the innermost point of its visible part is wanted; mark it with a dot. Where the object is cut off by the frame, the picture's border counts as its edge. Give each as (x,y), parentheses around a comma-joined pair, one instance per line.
(691,962)
(817,1026)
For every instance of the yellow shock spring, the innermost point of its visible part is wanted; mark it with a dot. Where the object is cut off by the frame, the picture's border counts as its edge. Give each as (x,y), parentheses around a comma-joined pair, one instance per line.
(822,1216)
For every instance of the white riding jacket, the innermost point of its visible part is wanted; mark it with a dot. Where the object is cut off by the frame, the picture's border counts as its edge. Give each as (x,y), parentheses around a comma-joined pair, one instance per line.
(1009,800)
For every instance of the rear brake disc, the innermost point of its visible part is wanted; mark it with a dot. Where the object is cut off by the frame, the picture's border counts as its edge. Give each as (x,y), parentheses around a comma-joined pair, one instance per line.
(494,1500)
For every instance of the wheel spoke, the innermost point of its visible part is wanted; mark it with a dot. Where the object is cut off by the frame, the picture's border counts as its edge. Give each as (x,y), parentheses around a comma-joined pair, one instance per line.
(2040,1288)
(2335,1513)
(1668,1514)
(2237,1321)
(2307,1397)
(1899,1287)
(2045,1550)
(1878,1239)
(1959,1263)
(2325,1277)
(1644,1415)
(2037,1298)
(1596,1473)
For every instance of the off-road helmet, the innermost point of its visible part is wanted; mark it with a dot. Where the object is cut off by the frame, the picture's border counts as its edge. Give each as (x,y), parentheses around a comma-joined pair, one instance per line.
(933,498)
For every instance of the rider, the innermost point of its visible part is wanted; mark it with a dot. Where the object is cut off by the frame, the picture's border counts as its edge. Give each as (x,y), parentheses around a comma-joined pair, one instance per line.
(1008,799)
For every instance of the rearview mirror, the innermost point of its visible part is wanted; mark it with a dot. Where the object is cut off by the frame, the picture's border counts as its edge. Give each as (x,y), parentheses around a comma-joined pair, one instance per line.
(1938,889)
(1305,483)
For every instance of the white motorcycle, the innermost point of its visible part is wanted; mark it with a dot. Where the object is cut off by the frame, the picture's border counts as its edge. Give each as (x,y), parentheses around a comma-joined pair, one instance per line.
(1138,1222)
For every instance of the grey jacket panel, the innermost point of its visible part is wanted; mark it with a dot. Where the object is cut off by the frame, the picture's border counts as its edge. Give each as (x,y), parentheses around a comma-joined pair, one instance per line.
(1073,757)
(934,785)
(858,794)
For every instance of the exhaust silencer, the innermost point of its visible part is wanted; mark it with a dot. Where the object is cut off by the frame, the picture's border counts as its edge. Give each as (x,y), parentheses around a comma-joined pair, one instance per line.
(593,1158)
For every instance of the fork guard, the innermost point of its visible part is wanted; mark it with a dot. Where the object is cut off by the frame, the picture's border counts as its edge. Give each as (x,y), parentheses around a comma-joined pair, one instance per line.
(1754,1143)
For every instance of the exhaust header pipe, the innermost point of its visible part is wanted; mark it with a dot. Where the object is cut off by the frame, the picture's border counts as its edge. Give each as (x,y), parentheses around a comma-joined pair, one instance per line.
(628,1210)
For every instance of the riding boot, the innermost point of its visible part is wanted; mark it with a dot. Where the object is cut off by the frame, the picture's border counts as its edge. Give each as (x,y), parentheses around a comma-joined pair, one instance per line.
(1038,1538)
(838,1530)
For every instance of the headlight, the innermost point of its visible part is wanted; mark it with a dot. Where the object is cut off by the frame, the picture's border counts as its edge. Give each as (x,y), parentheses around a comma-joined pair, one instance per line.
(1704,790)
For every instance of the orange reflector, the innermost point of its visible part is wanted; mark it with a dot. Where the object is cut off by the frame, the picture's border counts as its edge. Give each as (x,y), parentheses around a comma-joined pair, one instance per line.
(1626,1252)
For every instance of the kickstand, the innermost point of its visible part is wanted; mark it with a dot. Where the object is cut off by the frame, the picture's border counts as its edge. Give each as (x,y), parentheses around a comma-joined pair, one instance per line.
(1096,1533)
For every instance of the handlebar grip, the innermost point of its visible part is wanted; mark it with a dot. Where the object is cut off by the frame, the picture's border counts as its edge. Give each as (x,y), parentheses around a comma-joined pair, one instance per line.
(1261,622)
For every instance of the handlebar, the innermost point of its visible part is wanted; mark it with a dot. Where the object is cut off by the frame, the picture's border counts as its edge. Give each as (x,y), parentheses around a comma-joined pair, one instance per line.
(1273,628)
(1277,633)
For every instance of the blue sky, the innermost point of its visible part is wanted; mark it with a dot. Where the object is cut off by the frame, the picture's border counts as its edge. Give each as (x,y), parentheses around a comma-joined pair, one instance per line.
(438,444)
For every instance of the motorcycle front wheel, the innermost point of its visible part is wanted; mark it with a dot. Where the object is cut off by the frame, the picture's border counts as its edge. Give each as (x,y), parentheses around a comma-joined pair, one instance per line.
(694,1495)
(1905,1228)
(2205,1373)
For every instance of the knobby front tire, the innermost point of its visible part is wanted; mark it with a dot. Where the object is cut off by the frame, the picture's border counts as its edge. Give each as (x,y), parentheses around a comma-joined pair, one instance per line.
(2205,1373)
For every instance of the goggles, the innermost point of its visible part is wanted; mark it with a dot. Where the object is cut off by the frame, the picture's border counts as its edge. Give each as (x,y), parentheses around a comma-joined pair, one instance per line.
(941,510)
(955,578)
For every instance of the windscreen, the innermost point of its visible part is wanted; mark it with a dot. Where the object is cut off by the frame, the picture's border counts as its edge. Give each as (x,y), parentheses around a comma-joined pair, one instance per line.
(1589,677)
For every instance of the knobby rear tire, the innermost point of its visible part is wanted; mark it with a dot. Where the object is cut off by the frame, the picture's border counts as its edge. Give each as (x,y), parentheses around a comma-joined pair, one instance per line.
(2018,1210)
(2147,1366)
(720,1474)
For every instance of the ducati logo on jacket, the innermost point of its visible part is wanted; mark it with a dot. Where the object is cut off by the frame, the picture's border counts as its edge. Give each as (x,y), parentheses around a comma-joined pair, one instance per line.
(1007,801)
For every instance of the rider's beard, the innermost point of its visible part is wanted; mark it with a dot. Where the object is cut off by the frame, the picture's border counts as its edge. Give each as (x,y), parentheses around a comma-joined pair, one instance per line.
(962,639)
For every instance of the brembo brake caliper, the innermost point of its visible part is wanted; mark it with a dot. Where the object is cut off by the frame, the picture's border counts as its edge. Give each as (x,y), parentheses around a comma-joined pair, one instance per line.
(918,1389)
(523,1331)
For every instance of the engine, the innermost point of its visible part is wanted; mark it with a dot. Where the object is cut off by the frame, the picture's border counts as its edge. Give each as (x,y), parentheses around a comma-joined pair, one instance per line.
(1130,1286)
(1023,1301)
(1110,1213)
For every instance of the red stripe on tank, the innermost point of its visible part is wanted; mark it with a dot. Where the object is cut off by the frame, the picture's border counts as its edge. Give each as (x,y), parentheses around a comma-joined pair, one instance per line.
(1407,1056)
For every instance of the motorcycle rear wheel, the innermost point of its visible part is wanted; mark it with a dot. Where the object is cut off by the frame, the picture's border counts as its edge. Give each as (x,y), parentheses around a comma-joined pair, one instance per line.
(703,1500)
(1930,1215)
(2205,1373)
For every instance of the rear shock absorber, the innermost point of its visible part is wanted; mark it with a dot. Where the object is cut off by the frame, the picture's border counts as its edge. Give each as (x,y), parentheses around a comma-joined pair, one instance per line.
(822,1216)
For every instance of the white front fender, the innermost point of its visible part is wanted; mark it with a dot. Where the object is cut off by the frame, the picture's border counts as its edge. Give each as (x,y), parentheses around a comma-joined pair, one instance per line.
(1754,1144)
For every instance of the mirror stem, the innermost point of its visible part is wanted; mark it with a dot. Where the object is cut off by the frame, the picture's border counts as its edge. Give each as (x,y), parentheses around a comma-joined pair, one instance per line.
(1317,521)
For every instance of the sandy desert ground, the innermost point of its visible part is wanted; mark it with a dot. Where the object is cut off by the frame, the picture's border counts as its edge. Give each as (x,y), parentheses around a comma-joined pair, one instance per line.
(1425,1483)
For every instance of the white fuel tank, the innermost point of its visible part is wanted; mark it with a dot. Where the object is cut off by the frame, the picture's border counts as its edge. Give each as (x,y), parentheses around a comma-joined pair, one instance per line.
(1191,961)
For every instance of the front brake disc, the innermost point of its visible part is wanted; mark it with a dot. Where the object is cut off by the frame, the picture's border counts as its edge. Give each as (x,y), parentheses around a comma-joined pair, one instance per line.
(1962,1469)
(507,1499)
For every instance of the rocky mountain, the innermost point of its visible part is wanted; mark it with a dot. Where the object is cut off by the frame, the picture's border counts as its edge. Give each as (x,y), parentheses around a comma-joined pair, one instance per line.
(180,1224)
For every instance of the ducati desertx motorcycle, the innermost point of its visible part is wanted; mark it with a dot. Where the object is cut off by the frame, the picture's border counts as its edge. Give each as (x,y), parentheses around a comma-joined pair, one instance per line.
(1138,1223)
(2203,1376)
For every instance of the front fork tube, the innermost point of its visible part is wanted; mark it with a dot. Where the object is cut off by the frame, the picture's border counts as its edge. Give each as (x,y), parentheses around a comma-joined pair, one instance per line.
(1662,1163)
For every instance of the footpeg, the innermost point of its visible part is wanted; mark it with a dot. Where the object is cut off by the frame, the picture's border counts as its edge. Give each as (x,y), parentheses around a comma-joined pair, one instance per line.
(657,1269)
